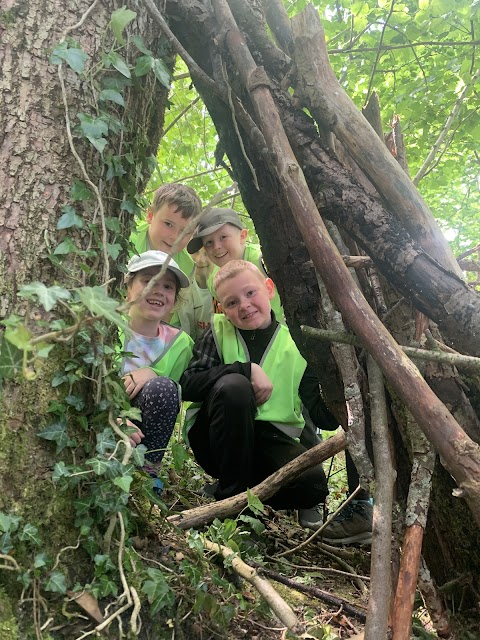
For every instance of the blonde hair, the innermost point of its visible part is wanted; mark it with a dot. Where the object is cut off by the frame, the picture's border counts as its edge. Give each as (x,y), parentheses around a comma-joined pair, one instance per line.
(232,269)
(185,198)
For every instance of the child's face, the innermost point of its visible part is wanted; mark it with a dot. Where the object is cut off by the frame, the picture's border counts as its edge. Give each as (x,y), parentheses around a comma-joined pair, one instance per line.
(225,244)
(245,299)
(158,305)
(166,224)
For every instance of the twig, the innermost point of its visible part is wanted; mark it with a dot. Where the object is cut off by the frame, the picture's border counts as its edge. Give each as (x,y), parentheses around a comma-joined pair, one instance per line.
(445,129)
(277,604)
(380,586)
(180,115)
(392,47)
(379,50)
(15,566)
(337,555)
(69,548)
(311,569)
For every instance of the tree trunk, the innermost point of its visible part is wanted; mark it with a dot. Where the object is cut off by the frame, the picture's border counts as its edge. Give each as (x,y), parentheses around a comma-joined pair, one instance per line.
(37,172)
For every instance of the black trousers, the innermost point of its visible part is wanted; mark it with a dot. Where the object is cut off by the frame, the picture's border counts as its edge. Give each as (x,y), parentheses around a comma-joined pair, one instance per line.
(229,444)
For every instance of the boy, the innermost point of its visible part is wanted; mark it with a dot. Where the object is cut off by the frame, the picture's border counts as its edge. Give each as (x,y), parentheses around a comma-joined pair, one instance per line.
(251,380)
(224,238)
(172,208)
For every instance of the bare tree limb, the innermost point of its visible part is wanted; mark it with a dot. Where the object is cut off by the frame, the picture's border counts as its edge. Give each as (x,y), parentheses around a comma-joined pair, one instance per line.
(391,47)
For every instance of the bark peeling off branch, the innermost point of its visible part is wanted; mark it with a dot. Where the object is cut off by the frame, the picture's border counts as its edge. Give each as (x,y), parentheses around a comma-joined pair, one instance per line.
(461,455)
(330,105)
(231,506)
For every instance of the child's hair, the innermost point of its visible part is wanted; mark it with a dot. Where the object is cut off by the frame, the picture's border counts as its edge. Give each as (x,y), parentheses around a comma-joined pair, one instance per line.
(185,198)
(232,269)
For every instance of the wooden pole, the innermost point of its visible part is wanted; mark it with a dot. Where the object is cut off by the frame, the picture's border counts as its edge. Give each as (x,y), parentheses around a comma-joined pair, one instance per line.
(460,453)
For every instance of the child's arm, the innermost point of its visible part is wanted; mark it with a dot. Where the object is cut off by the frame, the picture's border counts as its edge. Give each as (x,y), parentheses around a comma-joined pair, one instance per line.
(206,368)
(136,380)
(261,383)
(309,391)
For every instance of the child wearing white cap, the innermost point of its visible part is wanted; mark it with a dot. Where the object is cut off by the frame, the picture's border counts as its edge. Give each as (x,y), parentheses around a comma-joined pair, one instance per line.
(157,353)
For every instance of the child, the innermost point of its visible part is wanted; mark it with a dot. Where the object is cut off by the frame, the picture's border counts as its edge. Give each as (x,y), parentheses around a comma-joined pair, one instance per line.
(172,208)
(224,238)
(203,268)
(251,379)
(160,353)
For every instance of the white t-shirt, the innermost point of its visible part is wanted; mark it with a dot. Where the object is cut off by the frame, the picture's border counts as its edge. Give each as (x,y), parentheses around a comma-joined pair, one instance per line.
(145,349)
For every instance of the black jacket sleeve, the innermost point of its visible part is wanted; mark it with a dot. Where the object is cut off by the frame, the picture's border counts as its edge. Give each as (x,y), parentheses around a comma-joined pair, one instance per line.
(309,391)
(206,368)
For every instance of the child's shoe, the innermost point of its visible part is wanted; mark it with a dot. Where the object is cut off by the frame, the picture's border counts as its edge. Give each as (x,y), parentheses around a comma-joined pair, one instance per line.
(311,518)
(353,525)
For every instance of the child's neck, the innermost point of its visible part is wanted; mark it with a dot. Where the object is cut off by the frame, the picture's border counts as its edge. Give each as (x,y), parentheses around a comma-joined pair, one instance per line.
(147,328)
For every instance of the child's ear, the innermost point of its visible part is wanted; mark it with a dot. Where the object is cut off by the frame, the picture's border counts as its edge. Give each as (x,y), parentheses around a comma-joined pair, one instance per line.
(149,216)
(270,288)
(243,236)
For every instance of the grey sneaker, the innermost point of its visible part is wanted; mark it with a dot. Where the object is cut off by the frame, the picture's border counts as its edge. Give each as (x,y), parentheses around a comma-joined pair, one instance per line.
(311,518)
(353,525)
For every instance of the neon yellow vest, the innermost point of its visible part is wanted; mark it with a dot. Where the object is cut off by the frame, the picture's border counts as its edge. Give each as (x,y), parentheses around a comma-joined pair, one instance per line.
(175,357)
(253,254)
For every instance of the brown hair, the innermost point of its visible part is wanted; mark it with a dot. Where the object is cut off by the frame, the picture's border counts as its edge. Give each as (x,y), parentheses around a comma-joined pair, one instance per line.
(130,277)
(232,269)
(185,198)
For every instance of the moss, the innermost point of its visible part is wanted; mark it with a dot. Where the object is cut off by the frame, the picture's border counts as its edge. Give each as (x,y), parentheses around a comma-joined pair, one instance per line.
(8,623)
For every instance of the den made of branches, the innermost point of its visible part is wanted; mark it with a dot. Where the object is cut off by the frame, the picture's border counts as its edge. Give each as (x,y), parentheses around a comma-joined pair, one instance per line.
(350,244)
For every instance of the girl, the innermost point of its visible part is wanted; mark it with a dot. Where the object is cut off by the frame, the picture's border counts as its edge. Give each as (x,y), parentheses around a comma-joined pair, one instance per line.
(159,353)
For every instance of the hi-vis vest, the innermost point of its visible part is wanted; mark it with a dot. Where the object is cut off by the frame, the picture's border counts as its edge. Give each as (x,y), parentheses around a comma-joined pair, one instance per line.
(283,364)
(173,361)
(253,254)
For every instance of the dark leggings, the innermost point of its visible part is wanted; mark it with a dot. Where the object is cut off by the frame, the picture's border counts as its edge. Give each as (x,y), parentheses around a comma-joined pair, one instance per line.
(158,402)
(241,452)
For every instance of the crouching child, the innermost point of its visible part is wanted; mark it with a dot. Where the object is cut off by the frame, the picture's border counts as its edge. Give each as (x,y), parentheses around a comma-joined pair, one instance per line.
(156,353)
(248,381)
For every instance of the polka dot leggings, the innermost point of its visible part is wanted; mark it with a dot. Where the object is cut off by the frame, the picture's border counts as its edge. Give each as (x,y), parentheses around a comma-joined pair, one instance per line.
(158,402)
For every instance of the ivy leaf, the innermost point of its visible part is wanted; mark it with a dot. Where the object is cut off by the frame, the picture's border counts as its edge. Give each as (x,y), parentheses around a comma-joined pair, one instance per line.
(99,303)
(70,218)
(40,560)
(8,524)
(143,65)
(43,349)
(29,533)
(19,336)
(113,250)
(138,455)
(99,466)
(105,441)
(65,247)
(119,63)
(120,19)
(157,590)
(94,129)
(82,505)
(56,582)
(98,143)
(254,503)
(57,432)
(180,455)
(124,483)
(75,402)
(47,296)
(80,191)
(140,44)
(60,471)
(161,72)
(73,56)
(113,96)
(10,359)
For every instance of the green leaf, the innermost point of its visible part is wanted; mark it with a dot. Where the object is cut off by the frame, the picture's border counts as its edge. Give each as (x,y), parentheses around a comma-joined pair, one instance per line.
(105,441)
(66,247)
(99,303)
(47,296)
(180,455)
(10,359)
(80,191)
(29,533)
(73,56)
(57,432)
(98,143)
(99,466)
(112,96)
(92,127)
(19,336)
(56,582)
(157,590)
(8,524)
(75,401)
(82,505)
(161,72)
(113,250)
(70,218)
(140,44)
(120,19)
(119,63)
(40,560)
(43,349)
(254,503)
(60,471)
(138,455)
(143,65)
(124,483)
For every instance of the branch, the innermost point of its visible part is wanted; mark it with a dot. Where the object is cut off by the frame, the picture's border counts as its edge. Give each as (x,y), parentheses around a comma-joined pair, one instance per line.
(180,115)
(377,57)
(264,490)
(445,129)
(391,47)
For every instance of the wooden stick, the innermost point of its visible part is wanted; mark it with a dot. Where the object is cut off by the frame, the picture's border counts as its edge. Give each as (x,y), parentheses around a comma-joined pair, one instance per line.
(467,363)
(380,586)
(231,506)
(276,603)
(461,455)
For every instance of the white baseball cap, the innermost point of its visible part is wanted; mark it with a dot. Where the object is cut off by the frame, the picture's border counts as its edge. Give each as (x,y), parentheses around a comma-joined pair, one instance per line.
(154,258)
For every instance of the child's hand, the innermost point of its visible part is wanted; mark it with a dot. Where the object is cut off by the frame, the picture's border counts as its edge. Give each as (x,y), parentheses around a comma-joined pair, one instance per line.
(136,380)
(261,383)
(135,438)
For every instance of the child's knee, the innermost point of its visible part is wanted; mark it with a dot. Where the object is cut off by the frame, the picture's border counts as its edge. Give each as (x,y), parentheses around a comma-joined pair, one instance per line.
(162,387)
(233,388)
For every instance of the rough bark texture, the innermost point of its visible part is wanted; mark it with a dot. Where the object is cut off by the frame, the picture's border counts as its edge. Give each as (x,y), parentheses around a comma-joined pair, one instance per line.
(37,170)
